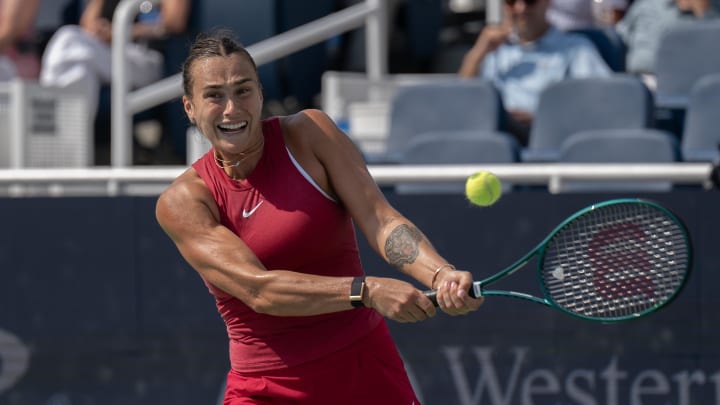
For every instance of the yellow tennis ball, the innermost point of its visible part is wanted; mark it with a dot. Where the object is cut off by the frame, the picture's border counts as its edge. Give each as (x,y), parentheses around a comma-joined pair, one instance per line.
(483,189)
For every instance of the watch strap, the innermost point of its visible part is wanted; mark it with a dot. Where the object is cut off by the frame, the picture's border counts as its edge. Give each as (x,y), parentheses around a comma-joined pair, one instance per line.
(357,290)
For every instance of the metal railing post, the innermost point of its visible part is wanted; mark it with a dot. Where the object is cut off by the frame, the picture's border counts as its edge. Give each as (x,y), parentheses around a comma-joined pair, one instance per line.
(494,12)
(17,113)
(376,42)
(120,115)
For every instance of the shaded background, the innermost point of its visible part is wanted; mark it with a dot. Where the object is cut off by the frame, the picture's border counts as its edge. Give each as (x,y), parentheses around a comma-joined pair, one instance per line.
(111,314)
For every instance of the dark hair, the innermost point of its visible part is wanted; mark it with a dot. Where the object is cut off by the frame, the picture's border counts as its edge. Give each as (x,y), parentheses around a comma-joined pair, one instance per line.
(219,42)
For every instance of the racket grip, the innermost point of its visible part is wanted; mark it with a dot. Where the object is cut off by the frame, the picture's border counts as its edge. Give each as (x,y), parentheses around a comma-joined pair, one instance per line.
(432,295)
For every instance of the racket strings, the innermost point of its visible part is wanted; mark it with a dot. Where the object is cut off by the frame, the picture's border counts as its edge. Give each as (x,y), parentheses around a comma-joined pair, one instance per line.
(616,261)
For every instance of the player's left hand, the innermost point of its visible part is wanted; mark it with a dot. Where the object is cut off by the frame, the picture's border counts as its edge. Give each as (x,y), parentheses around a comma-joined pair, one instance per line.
(452,293)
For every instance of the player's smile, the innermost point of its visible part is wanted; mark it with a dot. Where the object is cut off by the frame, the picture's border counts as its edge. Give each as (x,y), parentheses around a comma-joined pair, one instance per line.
(233,128)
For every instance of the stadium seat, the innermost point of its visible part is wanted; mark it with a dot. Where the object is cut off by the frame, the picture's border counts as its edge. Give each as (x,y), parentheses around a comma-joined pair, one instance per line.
(443,105)
(621,101)
(456,147)
(701,135)
(608,42)
(687,52)
(647,145)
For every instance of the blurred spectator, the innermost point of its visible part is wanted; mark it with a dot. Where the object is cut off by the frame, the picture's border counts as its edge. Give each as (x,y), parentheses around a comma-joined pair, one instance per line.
(609,12)
(80,56)
(524,55)
(18,54)
(645,23)
(700,9)
(568,15)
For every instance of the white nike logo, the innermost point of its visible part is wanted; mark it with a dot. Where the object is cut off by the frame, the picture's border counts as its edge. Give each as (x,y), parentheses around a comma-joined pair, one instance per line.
(246,214)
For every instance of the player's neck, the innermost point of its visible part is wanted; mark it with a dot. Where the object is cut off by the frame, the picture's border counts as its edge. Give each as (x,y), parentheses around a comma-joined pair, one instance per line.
(241,165)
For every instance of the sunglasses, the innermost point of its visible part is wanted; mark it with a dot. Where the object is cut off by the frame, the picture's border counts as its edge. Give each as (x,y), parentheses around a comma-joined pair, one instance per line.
(527,2)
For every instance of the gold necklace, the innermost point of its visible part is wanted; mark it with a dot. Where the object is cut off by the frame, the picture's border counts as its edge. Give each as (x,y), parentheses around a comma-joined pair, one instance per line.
(226,164)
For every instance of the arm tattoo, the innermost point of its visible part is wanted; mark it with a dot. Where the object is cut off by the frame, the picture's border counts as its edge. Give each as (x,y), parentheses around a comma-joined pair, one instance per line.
(401,247)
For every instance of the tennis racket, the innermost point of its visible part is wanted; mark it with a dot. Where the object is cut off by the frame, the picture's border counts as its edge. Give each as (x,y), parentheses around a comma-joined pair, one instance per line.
(612,261)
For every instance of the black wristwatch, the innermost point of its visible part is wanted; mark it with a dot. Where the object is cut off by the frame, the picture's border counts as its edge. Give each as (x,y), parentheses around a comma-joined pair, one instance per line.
(357,290)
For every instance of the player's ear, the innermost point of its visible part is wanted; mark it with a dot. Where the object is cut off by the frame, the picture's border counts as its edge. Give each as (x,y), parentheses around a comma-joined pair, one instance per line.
(188,107)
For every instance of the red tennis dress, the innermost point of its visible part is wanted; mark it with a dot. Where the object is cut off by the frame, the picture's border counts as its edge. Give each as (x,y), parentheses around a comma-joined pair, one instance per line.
(291,224)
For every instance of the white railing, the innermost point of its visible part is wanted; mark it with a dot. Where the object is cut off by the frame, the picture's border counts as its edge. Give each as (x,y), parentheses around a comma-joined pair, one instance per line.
(151,181)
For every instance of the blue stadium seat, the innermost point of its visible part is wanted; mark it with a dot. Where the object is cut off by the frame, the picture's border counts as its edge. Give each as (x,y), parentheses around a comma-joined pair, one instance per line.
(688,51)
(701,135)
(621,101)
(647,145)
(443,105)
(608,42)
(456,147)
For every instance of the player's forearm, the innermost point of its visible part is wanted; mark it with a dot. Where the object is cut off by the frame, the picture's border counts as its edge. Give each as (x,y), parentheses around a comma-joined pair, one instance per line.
(410,251)
(288,293)
(277,292)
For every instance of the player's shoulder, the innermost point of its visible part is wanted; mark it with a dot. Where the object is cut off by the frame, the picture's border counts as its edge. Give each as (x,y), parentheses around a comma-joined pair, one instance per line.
(188,186)
(306,119)
(309,124)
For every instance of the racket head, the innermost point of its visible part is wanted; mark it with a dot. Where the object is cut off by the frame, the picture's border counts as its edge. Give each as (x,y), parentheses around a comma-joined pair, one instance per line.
(616,260)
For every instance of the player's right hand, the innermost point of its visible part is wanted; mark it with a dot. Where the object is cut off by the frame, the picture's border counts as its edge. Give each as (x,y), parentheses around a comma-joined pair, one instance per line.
(398,300)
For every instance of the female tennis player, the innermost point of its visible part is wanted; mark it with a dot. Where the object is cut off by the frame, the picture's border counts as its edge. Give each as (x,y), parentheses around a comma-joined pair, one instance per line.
(267,219)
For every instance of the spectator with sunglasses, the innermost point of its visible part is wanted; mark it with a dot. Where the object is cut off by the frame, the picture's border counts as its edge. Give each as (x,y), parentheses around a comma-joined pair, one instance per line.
(524,54)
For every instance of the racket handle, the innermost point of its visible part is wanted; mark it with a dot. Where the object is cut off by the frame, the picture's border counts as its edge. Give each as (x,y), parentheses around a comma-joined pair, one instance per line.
(432,295)
(474,292)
